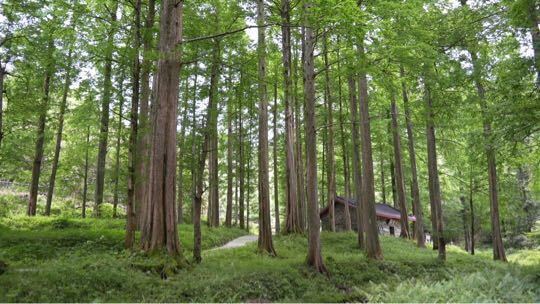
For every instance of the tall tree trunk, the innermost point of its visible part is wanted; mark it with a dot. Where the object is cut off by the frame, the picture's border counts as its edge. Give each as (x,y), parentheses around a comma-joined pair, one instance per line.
(194,146)
(183,111)
(58,146)
(383,181)
(330,158)
(85,178)
(314,257)
(400,182)
(230,139)
(241,168)
(433,172)
(299,155)
(357,174)
(417,206)
(373,248)
(118,144)
(498,248)
(274,154)
(265,243)
(213,176)
(162,232)
(292,217)
(344,147)
(40,139)
(131,211)
(466,236)
(105,103)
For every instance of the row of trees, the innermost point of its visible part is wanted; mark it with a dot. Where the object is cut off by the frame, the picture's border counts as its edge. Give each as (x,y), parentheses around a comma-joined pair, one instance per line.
(189,94)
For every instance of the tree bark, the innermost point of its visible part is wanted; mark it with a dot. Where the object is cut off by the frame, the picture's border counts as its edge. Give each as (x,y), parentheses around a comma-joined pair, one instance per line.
(417,206)
(265,243)
(314,257)
(143,129)
(59,132)
(344,147)
(471,207)
(330,157)
(292,217)
(357,174)
(105,103)
(299,155)
(85,178)
(241,168)
(213,175)
(161,232)
(40,139)
(466,236)
(2,75)
(183,111)
(400,182)
(131,211)
(373,248)
(230,139)
(118,144)
(274,154)
(434,186)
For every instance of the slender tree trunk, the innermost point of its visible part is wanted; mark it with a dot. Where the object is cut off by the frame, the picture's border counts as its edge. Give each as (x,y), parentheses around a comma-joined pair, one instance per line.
(466,236)
(118,145)
(2,75)
(373,248)
(344,147)
(383,180)
(471,207)
(314,257)
(433,172)
(85,178)
(40,139)
(230,139)
(400,182)
(140,182)
(163,220)
(417,207)
(63,105)
(213,176)
(181,149)
(265,243)
(131,211)
(241,168)
(330,157)
(292,217)
(194,146)
(357,174)
(274,154)
(105,103)
(299,155)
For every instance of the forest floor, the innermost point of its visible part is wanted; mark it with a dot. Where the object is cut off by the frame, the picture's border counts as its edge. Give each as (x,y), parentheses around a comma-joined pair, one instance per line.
(73,260)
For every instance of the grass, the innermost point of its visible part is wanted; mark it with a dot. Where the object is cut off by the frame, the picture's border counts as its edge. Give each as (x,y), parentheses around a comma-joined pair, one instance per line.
(75,260)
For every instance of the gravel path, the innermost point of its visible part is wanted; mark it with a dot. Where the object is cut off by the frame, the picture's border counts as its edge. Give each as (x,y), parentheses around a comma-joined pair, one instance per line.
(239,242)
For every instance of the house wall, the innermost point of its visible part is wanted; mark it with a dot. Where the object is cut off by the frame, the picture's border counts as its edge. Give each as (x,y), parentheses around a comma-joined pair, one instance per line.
(384,226)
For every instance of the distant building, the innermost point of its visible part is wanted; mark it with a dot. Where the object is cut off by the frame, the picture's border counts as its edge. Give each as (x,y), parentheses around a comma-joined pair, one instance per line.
(387,217)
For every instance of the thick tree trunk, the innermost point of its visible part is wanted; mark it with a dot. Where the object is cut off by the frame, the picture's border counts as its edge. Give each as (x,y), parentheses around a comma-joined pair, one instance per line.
(161,232)
(314,257)
(400,179)
(104,121)
(417,207)
(118,145)
(131,211)
(292,217)
(85,178)
(373,248)
(265,243)
(274,154)
(140,182)
(357,170)
(433,172)
(330,157)
(40,139)
(59,132)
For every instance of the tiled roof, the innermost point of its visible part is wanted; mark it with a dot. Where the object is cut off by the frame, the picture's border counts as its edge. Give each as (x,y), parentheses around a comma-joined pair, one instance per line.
(382,210)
